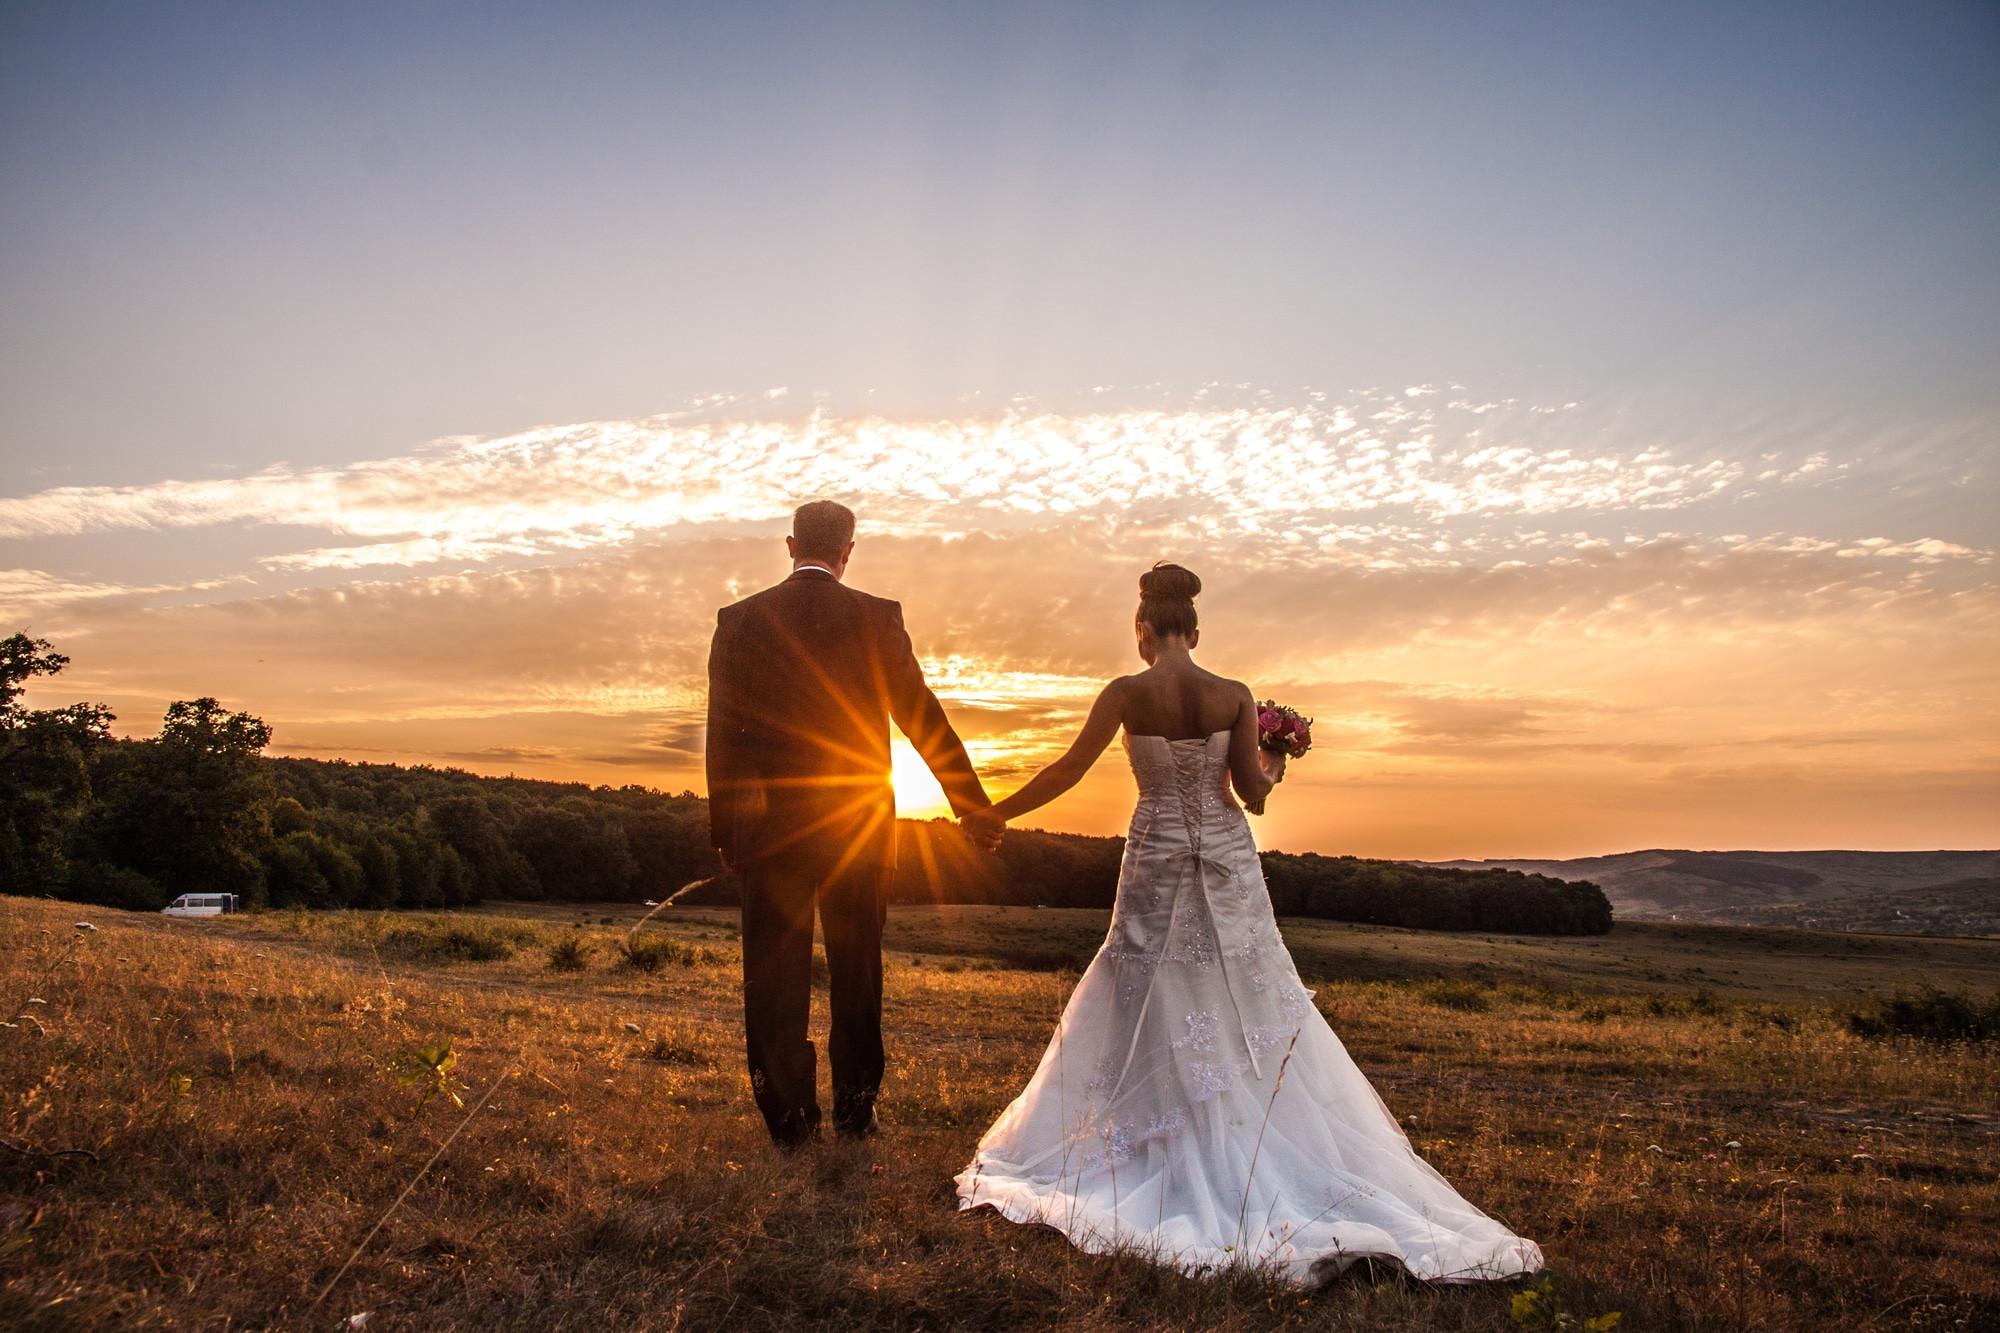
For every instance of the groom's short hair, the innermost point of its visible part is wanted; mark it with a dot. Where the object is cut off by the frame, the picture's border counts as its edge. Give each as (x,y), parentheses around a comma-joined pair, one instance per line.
(821,530)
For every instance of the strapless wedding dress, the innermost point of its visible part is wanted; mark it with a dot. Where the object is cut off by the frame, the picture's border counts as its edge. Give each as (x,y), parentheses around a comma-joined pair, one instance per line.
(1194,1105)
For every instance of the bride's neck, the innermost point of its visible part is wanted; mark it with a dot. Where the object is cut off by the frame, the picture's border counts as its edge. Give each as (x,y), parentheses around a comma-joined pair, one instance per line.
(1172,653)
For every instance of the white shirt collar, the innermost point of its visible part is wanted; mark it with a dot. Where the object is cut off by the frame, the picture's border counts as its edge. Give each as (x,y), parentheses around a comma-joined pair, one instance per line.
(815,566)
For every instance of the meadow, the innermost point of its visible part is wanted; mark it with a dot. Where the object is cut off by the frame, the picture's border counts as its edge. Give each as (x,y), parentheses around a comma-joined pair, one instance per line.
(1679,1115)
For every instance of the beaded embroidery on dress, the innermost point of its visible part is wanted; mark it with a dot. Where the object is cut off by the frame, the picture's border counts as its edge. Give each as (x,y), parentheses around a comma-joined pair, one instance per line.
(1158,1120)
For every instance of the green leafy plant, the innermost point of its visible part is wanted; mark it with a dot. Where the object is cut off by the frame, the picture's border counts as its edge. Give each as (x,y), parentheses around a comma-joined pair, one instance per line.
(431,1066)
(1540,1308)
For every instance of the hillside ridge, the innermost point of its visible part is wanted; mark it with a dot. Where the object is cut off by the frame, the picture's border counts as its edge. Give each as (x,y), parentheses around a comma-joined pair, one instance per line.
(1933,892)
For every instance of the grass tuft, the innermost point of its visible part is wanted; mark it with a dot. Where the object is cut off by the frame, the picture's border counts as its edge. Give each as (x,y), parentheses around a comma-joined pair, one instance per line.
(1930,1015)
(437,941)
(1459,995)
(571,953)
(655,952)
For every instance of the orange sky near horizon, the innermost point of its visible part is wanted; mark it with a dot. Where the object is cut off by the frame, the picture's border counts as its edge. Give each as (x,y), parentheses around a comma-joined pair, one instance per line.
(1513,648)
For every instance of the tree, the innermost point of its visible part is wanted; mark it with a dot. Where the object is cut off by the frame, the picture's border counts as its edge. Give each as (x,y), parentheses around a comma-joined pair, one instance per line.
(467,825)
(668,838)
(21,658)
(188,810)
(578,854)
(305,869)
(45,756)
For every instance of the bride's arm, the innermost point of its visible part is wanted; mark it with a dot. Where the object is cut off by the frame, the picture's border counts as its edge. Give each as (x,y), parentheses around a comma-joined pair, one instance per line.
(1106,716)
(1252,770)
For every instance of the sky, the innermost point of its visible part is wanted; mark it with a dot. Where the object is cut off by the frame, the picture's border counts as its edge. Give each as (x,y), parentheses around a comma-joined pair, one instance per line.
(1588,414)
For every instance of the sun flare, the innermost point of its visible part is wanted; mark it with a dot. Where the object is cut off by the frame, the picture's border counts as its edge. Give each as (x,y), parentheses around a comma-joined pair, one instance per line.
(917,792)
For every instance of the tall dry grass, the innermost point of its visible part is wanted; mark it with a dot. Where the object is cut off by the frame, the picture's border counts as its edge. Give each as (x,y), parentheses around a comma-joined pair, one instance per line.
(241,1084)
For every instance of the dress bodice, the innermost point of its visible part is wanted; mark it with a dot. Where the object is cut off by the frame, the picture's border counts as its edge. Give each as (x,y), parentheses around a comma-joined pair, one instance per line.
(1188,777)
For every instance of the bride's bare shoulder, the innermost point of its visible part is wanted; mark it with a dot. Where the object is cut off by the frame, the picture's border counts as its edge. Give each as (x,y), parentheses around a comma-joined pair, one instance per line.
(1223,684)
(1115,700)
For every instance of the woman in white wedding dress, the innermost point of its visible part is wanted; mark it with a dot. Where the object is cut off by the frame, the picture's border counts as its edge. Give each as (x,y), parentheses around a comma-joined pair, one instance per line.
(1194,1105)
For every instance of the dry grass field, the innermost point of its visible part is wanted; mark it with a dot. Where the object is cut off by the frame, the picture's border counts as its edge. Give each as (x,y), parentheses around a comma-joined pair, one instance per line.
(1677,1114)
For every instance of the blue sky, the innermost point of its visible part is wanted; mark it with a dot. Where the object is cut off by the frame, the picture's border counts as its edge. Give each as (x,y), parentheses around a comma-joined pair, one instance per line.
(234,234)
(1711,279)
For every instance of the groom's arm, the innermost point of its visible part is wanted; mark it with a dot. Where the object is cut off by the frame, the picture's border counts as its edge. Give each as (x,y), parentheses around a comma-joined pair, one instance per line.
(921,717)
(727,731)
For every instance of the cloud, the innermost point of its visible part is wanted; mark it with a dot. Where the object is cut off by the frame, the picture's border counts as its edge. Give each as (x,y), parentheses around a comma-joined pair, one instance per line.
(1461,719)
(1018,627)
(1289,481)
(26,592)
(1633,670)
(1928,551)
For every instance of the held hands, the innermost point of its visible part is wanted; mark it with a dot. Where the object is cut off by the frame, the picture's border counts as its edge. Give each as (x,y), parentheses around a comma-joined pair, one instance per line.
(982,829)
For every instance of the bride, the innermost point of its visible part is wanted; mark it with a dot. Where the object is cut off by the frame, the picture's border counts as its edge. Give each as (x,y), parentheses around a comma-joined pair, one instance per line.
(1193,1105)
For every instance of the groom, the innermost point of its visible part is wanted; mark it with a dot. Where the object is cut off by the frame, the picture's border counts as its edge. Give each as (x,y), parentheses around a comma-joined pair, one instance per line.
(803,679)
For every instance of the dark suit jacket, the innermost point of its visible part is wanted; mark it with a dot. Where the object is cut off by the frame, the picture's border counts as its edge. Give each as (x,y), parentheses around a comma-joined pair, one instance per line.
(803,679)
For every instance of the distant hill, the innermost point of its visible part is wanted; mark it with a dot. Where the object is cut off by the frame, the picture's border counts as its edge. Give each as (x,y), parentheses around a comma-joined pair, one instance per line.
(1942,893)
(1967,907)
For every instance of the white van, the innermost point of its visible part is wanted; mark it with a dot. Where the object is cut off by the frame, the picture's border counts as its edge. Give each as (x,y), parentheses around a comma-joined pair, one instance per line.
(200,904)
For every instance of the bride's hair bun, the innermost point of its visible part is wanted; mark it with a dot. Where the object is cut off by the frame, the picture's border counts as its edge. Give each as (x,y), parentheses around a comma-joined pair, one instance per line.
(1166,599)
(1169,583)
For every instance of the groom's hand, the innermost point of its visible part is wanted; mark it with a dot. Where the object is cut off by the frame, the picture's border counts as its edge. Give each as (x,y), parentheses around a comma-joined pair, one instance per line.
(982,829)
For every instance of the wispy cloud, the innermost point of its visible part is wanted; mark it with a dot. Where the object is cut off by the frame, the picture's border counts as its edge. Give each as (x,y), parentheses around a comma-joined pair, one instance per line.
(24,592)
(1284,478)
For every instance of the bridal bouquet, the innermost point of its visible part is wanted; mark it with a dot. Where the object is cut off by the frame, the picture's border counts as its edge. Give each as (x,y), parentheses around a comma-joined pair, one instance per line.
(1283,730)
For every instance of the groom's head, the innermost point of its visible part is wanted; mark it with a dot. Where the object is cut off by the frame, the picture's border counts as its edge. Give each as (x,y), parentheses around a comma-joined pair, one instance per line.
(822,532)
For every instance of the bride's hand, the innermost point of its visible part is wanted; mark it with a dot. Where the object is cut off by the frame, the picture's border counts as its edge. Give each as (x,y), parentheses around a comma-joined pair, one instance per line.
(1272,762)
(982,829)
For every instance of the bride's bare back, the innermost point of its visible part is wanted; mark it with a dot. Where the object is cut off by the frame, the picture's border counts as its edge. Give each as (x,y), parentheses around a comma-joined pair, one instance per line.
(1173,699)
(1179,701)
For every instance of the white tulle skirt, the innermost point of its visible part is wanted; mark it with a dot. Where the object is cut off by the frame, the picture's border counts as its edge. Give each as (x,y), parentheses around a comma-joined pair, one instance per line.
(1194,1106)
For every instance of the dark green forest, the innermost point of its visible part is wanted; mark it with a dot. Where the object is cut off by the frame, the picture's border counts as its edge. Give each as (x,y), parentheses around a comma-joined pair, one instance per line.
(199,808)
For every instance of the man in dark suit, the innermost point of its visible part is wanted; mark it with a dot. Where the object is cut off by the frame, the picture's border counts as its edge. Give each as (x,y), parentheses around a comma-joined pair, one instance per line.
(803,679)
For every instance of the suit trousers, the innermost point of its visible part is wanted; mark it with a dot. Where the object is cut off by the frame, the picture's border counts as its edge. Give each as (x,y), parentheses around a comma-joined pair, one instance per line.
(779,896)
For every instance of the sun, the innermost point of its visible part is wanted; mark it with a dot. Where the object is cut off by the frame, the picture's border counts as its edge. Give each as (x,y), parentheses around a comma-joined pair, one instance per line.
(918,795)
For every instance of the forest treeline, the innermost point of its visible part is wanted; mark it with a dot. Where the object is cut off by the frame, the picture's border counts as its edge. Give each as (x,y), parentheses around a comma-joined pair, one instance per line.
(199,808)
(1070,870)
